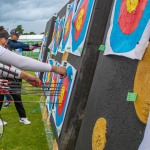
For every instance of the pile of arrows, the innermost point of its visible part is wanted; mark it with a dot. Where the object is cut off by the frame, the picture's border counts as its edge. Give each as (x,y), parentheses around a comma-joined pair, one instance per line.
(13,87)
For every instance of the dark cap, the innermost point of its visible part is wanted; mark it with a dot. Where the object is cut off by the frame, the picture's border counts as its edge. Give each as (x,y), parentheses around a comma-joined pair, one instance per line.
(14,32)
(4,35)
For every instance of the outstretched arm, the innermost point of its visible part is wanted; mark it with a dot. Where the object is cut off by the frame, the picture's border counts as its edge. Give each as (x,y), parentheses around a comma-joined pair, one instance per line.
(11,72)
(25,63)
(16,45)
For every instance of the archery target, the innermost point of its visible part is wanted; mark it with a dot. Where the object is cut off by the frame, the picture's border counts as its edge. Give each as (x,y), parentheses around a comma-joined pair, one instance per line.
(62,100)
(53,45)
(67,27)
(80,25)
(129,31)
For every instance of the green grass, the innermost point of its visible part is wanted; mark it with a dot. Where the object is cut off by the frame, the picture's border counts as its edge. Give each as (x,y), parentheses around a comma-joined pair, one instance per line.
(18,136)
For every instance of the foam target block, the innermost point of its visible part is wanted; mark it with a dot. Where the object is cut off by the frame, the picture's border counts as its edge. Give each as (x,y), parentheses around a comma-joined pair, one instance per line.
(99,135)
(85,66)
(142,87)
(114,76)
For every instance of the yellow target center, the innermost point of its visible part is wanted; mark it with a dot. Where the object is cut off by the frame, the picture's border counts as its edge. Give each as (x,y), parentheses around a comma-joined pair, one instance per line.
(79,19)
(131,5)
(61,96)
(49,75)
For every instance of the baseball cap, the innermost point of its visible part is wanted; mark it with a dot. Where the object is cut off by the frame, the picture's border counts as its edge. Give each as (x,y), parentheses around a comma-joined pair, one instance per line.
(4,35)
(14,32)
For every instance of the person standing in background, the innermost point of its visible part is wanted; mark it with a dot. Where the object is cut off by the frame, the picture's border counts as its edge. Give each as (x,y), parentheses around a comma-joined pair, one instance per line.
(18,47)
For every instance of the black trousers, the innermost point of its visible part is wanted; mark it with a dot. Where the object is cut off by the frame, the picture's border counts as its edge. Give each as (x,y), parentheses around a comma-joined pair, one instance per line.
(16,97)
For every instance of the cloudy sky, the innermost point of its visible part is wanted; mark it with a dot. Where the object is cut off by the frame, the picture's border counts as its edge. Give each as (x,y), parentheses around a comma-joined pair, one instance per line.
(32,14)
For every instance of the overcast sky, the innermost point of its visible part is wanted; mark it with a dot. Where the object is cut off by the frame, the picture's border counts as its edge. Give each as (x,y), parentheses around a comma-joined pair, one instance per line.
(32,14)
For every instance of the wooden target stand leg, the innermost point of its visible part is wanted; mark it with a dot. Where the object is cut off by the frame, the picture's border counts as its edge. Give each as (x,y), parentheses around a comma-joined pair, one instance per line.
(55,145)
(142,87)
(65,56)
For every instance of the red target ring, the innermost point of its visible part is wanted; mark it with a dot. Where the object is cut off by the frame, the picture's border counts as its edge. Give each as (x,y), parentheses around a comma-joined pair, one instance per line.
(129,21)
(63,96)
(80,19)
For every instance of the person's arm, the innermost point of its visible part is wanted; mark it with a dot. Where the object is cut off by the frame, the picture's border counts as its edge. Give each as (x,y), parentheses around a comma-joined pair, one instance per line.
(16,45)
(38,44)
(23,63)
(32,47)
(11,72)
(26,63)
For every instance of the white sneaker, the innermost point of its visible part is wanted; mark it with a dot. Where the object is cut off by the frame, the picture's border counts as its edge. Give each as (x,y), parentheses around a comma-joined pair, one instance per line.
(25,120)
(3,123)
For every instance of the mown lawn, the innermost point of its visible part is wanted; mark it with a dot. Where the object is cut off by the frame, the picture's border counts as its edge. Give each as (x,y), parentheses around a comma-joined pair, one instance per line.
(18,136)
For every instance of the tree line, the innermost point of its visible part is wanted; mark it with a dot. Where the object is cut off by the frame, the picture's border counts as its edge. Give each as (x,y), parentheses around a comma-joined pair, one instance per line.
(21,31)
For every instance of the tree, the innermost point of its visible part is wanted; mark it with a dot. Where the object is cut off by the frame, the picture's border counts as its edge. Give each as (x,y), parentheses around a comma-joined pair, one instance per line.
(32,33)
(20,29)
(25,33)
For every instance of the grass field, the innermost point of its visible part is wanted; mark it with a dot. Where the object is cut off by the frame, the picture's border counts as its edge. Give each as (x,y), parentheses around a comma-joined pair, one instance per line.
(18,136)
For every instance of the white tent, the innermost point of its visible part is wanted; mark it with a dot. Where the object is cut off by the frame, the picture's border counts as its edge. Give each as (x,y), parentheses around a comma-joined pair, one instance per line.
(31,38)
(26,38)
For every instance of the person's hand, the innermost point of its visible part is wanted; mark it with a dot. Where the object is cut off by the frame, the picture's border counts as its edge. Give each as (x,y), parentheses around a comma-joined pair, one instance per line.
(33,80)
(62,71)
(31,47)
(40,44)
(4,86)
(59,70)
(4,90)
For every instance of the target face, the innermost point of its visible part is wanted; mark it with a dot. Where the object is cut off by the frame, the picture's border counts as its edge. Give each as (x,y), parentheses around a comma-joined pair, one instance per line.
(42,51)
(80,23)
(67,25)
(130,28)
(53,45)
(60,33)
(62,98)
(62,101)
(47,80)
(53,93)
(48,75)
